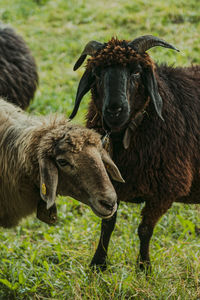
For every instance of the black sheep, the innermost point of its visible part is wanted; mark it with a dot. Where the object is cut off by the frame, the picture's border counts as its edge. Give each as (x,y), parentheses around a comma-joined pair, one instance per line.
(18,72)
(152,114)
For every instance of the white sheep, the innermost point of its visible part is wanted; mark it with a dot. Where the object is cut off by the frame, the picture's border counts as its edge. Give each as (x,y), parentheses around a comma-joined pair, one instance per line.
(42,156)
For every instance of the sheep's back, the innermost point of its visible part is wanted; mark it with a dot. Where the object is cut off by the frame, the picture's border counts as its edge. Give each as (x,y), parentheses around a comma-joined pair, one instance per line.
(18,71)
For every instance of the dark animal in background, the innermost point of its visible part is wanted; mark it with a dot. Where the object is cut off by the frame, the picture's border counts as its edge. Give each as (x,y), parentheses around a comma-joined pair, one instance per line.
(18,71)
(152,114)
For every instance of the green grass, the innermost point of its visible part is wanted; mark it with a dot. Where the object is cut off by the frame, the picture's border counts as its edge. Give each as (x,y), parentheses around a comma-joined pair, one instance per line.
(42,262)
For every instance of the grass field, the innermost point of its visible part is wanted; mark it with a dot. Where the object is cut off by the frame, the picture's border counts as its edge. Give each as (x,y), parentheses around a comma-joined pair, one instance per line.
(42,262)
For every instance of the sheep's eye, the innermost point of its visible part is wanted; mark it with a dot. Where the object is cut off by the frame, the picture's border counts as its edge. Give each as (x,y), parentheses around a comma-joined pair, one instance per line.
(135,75)
(63,162)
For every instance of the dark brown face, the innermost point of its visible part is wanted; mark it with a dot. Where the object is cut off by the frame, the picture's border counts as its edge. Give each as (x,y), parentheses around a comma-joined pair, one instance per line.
(117,86)
(119,92)
(120,63)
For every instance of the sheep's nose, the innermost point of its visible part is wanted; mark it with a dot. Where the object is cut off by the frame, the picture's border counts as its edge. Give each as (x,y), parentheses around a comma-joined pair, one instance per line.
(107,205)
(114,111)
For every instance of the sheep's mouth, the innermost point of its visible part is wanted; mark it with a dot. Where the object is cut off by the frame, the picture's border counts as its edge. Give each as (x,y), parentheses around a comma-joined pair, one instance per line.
(104,214)
(113,126)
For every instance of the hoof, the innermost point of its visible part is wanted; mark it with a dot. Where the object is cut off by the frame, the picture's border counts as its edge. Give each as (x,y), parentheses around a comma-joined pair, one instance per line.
(144,266)
(98,266)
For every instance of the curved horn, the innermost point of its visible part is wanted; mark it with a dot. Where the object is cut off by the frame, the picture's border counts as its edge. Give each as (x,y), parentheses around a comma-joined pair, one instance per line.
(89,49)
(145,42)
(83,87)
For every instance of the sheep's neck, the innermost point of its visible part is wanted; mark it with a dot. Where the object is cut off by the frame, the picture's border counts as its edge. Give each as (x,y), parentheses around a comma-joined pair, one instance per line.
(134,123)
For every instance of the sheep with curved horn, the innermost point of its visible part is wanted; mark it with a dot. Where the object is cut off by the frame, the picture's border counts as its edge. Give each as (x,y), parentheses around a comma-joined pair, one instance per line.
(152,115)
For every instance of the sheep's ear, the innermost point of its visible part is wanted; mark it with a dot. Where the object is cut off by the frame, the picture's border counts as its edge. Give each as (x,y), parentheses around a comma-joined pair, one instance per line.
(111,167)
(48,181)
(152,87)
(83,87)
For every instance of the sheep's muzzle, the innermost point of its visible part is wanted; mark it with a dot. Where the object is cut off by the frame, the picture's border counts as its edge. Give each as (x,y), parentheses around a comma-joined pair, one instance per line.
(105,207)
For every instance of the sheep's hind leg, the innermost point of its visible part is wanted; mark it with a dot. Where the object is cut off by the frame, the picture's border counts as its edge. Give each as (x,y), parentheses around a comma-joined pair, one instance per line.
(99,258)
(151,213)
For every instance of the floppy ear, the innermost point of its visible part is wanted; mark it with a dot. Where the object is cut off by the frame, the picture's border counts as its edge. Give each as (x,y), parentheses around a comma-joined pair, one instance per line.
(83,87)
(152,88)
(111,167)
(48,181)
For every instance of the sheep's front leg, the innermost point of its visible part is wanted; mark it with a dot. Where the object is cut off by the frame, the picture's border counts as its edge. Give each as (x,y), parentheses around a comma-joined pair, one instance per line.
(107,227)
(151,213)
